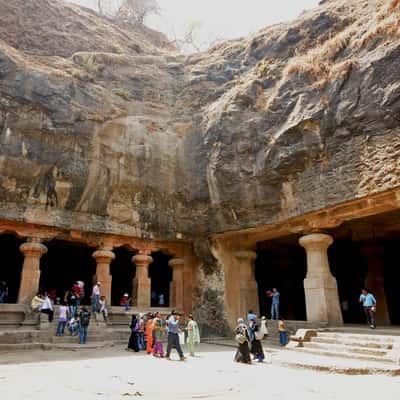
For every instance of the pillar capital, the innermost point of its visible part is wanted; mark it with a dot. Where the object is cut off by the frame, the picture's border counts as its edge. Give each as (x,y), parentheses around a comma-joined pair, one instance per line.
(176,263)
(142,260)
(103,256)
(33,249)
(316,241)
(245,255)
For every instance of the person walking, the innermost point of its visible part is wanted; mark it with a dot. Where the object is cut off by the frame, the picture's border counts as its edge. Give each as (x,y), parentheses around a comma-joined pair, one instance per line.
(158,348)
(193,338)
(72,302)
(95,297)
(242,339)
(133,338)
(275,296)
(283,339)
(256,346)
(84,320)
(149,333)
(173,336)
(62,319)
(368,301)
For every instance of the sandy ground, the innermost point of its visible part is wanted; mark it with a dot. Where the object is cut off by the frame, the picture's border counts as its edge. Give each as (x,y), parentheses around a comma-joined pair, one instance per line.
(116,374)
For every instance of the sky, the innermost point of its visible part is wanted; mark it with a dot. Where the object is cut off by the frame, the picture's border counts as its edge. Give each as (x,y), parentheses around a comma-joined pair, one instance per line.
(219,19)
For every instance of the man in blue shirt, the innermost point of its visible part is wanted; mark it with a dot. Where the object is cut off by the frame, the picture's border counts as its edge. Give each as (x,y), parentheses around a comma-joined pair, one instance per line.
(369,303)
(275,303)
(173,336)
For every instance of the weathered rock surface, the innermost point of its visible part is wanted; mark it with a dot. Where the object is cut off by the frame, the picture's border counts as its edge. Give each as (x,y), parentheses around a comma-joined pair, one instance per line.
(104,130)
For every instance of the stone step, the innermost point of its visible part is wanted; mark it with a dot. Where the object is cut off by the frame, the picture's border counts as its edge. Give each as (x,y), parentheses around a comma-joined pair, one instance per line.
(344,354)
(335,365)
(72,339)
(352,342)
(362,337)
(346,348)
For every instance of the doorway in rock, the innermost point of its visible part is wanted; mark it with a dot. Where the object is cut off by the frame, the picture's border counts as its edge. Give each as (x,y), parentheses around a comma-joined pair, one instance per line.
(65,263)
(123,271)
(160,274)
(11,265)
(365,253)
(281,263)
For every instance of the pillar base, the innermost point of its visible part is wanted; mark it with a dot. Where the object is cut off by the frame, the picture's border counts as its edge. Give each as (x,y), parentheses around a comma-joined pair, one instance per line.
(322,300)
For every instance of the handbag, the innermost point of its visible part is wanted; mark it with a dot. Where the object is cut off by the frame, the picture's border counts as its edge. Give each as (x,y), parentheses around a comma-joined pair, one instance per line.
(240,338)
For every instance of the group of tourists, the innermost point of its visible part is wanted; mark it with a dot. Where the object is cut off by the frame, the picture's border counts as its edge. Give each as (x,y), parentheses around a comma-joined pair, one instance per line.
(149,330)
(249,335)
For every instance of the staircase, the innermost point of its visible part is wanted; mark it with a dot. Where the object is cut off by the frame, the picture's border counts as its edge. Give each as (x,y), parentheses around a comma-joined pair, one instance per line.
(354,346)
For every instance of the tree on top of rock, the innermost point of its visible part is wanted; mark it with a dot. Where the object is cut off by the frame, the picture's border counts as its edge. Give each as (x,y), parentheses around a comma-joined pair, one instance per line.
(135,11)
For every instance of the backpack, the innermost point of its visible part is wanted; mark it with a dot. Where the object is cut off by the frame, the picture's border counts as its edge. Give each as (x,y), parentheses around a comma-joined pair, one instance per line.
(85,318)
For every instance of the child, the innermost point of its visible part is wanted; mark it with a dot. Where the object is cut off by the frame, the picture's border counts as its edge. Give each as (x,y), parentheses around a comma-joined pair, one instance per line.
(73,325)
(62,319)
(103,307)
(282,332)
(125,301)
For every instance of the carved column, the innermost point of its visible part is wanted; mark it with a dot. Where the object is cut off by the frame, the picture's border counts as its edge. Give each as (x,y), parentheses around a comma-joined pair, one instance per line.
(29,287)
(141,296)
(320,287)
(248,290)
(103,260)
(176,295)
(375,281)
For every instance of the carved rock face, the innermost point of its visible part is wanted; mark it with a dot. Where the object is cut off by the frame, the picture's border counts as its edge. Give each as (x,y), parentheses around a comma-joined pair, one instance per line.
(143,141)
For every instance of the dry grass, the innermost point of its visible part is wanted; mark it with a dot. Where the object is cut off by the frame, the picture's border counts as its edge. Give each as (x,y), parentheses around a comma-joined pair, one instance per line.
(316,63)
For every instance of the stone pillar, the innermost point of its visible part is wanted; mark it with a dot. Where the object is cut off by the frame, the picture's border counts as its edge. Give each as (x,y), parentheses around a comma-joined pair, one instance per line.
(30,276)
(176,295)
(248,290)
(103,259)
(375,281)
(141,296)
(320,287)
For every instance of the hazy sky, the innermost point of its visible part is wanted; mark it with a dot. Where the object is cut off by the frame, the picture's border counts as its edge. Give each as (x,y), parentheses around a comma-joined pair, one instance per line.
(225,19)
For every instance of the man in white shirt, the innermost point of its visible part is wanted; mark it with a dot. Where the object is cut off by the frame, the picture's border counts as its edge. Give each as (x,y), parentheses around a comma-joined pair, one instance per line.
(95,297)
(47,307)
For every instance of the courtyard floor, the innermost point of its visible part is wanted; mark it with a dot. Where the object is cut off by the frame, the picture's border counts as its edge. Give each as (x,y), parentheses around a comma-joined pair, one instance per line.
(113,373)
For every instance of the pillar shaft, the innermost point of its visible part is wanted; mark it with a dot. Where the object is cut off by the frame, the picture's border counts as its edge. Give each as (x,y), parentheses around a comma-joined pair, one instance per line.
(32,251)
(248,290)
(176,295)
(103,260)
(141,296)
(375,281)
(320,287)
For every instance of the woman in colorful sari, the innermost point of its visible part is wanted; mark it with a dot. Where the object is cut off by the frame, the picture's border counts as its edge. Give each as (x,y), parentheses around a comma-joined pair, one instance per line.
(149,334)
(193,335)
(242,338)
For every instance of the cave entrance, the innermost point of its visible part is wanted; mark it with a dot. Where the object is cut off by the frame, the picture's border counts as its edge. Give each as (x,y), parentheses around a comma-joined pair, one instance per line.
(160,274)
(365,254)
(11,265)
(65,263)
(281,263)
(123,271)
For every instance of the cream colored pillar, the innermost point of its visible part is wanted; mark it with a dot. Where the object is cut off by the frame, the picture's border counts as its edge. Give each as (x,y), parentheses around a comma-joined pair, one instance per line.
(375,281)
(320,287)
(142,283)
(103,260)
(248,290)
(176,295)
(29,287)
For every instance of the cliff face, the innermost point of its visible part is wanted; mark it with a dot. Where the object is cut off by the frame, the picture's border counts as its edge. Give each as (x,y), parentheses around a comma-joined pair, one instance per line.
(102,129)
